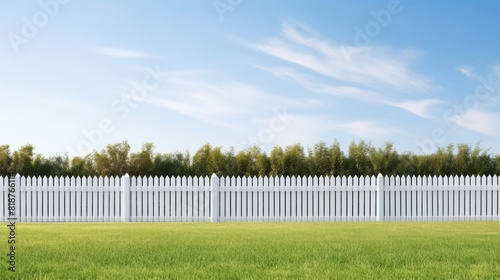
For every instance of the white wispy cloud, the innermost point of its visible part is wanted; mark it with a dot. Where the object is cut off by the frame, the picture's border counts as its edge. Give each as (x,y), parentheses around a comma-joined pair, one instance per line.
(467,71)
(123,53)
(487,91)
(420,108)
(490,82)
(369,74)
(222,103)
(372,66)
(480,121)
(313,85)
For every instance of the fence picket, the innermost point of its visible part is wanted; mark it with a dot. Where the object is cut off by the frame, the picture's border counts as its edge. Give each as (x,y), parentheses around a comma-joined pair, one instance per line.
(484,200)
(275,200)
(288,193)
(489,199)
(266,191)
(140,199)
(170,199)
(321,199)
(100,200)
(495,193)
(84,190)
(233,190)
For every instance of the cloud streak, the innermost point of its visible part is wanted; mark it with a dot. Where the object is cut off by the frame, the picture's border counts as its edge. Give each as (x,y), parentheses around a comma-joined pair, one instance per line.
(223,103)
(483,122)
(122,53)
(419,108)
(371,66)
(367,74)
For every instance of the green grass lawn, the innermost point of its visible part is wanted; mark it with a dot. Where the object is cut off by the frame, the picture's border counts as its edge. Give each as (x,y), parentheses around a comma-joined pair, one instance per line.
(464,250)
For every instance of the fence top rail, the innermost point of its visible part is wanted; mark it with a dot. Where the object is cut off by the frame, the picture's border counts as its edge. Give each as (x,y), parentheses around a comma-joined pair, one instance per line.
(453,180)
(326,181)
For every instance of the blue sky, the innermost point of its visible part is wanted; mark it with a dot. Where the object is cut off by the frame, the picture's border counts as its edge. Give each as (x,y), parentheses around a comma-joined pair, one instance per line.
(78,75)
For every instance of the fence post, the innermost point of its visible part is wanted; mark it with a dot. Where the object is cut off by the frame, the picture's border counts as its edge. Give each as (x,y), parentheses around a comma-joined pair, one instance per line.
(17,193)
(380,197)
(125,198)
(214,181)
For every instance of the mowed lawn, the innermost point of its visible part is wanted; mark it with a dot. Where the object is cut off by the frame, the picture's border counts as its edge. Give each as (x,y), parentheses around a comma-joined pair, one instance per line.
(462,250)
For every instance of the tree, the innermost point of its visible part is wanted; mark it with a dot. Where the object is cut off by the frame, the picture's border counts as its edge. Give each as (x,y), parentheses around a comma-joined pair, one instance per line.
(217,162)
(277,162)
(497,165)
(482,162)
(263,164)
(141,163)
(443,161)
(113,161)
(22,160)
(252,162)
(338,160)
(231,164)
(407,165)
(358,162)
(208,160)
(463,160)
(5,160)
(60,165)
(384,161)
(82,166)
(176,164)
(320,160)
(42,166)
(295,161)
(201,161)
(244,163)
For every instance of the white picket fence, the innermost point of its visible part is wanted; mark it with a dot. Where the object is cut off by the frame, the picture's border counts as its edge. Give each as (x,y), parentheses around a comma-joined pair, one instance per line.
(190,199)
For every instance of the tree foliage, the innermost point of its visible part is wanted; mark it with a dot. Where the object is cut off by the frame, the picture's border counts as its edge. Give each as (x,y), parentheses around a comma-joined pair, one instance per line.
(362,158)
(114,160)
